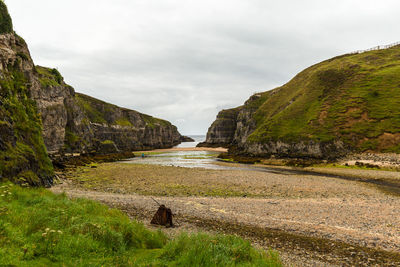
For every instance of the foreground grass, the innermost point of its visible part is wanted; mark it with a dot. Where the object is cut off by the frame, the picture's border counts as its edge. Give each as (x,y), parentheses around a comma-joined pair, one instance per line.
(39,228)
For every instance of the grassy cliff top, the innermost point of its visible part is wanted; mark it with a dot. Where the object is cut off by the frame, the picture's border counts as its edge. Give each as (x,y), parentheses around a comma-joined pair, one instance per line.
(354,98)
(99,112)
(49,77)
(5,19)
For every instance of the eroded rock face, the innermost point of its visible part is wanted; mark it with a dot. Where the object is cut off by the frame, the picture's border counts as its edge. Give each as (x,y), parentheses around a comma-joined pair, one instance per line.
(222,131)
(91,122)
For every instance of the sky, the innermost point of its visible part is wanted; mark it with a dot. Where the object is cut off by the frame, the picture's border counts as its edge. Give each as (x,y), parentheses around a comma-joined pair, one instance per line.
(185,60)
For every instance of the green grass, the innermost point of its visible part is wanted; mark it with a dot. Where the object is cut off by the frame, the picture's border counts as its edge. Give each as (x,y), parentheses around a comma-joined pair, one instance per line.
(88,106)
(39,228)
(49,77)
(124,122)
(153,122)
(99,112)
(6,25)
(353,98)
(107,142)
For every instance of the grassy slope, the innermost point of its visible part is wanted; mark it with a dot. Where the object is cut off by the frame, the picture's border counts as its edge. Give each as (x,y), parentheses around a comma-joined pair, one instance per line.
(96,111)
(49,77)
(355,98)
(38,228)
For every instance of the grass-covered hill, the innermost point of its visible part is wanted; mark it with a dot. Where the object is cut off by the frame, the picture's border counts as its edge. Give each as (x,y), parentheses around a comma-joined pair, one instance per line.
(353,99)
(38,228)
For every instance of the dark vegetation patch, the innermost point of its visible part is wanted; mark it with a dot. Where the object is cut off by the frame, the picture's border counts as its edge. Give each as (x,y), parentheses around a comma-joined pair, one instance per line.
(6,25)
(66,161)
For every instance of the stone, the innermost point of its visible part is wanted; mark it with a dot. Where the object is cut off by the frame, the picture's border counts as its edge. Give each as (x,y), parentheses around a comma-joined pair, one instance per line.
(163,217)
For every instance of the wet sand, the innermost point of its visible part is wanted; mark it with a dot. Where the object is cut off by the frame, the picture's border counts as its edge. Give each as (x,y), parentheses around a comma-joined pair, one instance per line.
(211,149)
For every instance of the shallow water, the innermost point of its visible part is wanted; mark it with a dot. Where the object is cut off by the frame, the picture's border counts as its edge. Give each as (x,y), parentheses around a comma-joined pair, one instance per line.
(207,160)
(197,139)
(185,159)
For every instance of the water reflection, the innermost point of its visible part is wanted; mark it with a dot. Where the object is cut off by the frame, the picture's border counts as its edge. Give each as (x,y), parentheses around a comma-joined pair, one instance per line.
(186,159)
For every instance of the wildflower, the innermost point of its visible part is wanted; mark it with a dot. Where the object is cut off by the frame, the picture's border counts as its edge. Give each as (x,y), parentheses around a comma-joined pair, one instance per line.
(52,231)
(47,229)
(44,234)
(60,232)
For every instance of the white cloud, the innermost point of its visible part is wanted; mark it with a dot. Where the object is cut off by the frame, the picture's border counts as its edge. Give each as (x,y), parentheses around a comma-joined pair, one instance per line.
(185,60)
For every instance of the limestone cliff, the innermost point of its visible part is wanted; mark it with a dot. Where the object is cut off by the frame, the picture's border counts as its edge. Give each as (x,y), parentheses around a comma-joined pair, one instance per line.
(350,103)
(74,122)
(221,133)
(93,122)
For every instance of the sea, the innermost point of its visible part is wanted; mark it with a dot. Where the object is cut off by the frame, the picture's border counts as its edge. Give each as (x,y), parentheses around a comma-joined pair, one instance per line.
(197,139)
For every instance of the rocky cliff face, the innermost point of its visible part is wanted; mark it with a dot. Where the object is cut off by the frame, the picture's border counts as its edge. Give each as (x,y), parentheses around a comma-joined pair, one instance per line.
(41,114)
(221,133)
(74,122)
(23,156)
(92,122)
(346,104)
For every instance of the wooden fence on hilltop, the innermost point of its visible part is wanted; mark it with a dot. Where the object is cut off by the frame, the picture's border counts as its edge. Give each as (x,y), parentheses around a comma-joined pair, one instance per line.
(379,47)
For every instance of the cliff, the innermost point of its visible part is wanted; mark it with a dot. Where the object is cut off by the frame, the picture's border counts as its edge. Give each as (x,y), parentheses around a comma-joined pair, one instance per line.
(350,103)
(222,131)
(23,156)
(94,122)
(40,114)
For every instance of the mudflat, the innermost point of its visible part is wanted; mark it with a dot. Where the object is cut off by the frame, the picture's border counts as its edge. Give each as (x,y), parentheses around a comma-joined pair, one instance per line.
(321,219)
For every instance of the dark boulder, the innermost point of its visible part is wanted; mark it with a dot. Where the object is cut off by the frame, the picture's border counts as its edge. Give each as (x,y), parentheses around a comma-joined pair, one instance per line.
(163,217)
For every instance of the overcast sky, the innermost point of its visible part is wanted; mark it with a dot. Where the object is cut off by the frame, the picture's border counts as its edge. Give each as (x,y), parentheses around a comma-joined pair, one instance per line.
(186,60)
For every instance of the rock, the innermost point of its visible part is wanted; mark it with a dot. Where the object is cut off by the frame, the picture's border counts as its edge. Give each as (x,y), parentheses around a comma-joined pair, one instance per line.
(221,133)
(107,147)
(184,139)
(23,156)
(163,217)
(91,121)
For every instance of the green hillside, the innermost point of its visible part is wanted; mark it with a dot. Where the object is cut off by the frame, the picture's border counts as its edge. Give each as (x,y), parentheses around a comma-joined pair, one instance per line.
(354,98)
